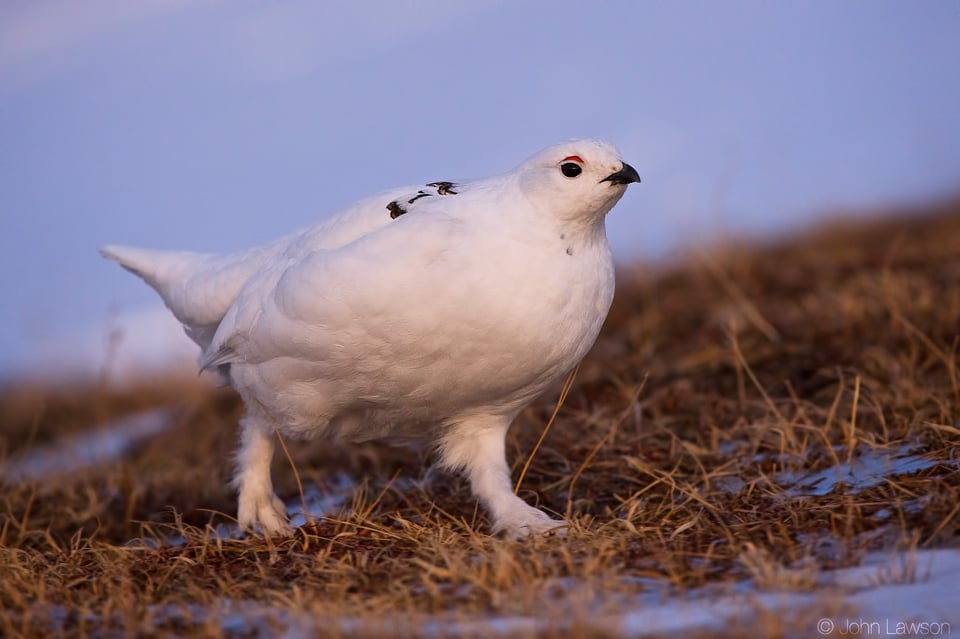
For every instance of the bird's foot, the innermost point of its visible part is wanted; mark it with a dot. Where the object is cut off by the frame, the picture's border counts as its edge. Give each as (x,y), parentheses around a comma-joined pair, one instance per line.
(520,520)
(263,509)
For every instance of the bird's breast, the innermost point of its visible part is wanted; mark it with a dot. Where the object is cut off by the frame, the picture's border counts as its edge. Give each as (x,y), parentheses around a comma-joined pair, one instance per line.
(531,314)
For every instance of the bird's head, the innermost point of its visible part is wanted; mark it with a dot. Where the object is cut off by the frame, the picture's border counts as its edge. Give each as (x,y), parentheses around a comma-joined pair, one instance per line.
(576,181)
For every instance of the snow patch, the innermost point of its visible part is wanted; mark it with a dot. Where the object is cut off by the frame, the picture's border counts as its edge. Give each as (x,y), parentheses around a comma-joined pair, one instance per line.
(83,450)
(871,467)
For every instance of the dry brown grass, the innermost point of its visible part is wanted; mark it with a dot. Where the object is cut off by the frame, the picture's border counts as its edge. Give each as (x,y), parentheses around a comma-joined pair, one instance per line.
(714,383)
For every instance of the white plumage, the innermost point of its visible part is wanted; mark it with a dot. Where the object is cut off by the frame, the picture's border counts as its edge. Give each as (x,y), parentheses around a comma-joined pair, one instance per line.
(429,313)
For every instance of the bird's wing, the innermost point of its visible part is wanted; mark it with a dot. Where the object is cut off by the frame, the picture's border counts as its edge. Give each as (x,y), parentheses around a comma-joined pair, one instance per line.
(199,288)
(369,215)
(328,299)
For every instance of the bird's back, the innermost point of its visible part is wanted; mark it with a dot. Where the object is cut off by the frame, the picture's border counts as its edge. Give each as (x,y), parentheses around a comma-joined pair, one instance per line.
(199,288)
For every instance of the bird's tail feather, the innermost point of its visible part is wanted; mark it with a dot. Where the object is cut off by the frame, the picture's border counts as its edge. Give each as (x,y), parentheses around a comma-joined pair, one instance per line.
(178,276)
(156,268)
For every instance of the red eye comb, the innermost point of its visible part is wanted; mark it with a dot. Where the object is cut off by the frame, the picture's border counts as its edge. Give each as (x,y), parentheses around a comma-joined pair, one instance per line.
(573,158)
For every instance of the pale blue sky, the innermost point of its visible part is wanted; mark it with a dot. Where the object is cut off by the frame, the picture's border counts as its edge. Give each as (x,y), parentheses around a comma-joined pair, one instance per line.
(219,125)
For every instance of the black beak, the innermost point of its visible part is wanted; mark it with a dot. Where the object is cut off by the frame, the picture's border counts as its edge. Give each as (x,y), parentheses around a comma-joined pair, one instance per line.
(625,175)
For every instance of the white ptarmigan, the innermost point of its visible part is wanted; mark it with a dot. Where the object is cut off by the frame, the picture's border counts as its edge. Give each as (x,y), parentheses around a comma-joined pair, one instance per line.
(431,313)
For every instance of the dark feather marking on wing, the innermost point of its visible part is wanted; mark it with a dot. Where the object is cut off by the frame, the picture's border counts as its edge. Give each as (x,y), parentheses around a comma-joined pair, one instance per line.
(443,188)
(395,210)
(419,195)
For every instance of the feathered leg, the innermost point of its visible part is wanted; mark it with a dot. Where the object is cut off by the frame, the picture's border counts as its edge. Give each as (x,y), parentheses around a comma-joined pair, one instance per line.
(476,446)
(258,505)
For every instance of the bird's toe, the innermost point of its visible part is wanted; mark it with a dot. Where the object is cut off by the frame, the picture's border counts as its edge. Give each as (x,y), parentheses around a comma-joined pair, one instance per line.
(528,521)
(265,512)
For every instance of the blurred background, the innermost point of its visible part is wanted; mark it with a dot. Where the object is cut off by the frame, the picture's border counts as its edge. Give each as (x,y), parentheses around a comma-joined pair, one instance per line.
(214,126)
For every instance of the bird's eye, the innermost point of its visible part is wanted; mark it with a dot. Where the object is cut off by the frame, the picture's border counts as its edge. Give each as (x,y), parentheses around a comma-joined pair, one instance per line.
(571,169)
